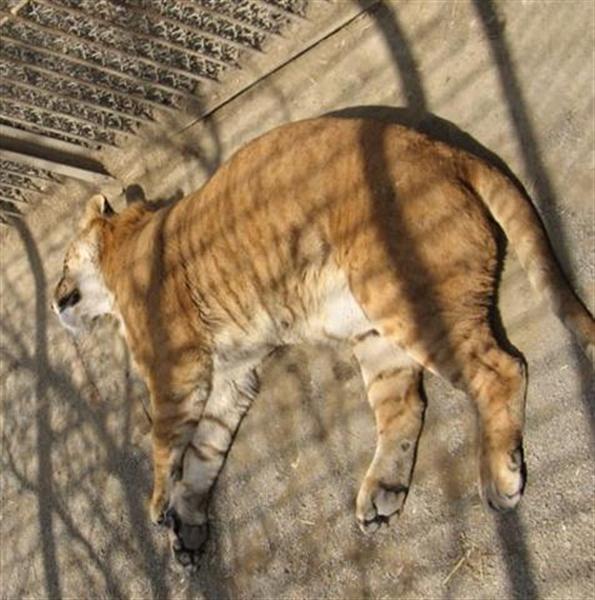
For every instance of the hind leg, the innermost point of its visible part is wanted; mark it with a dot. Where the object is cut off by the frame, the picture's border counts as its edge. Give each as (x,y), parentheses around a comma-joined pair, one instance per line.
(393,382)
(497,383)
(442,322)
(469,356)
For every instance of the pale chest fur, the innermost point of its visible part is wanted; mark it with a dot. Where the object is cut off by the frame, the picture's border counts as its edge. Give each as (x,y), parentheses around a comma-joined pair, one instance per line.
(323,311)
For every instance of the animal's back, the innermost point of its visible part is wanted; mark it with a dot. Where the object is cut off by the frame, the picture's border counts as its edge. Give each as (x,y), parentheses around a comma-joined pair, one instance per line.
(317,202)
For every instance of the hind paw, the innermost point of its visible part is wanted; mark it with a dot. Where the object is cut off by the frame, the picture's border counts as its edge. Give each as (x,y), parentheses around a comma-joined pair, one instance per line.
(503,480)
(377,502)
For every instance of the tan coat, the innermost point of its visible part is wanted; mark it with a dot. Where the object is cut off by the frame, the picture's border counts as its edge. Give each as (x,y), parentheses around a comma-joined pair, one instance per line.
(325,230)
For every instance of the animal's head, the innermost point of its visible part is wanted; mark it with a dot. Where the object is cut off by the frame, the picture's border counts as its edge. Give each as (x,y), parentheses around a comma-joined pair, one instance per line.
(81,294)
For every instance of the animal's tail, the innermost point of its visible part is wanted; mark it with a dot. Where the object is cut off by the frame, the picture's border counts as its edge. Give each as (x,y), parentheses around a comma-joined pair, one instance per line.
(517,216)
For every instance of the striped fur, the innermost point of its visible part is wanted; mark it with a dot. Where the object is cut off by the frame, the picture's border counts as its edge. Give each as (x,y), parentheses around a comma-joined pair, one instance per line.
(322,230)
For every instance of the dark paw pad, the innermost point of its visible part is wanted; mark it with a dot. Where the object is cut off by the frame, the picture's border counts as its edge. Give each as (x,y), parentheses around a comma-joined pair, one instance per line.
(189,560)
(187,541)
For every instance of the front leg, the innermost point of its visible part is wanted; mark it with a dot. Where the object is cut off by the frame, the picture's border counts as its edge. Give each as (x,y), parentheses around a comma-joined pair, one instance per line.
(202,461)
(175,419)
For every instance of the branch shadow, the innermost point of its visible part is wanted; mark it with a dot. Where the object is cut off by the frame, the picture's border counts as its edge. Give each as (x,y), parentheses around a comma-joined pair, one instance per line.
(50,498)
(510,529)
(44,439)
(546,199)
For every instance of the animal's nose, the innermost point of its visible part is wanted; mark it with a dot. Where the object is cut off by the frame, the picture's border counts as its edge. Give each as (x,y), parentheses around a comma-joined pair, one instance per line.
(69,299)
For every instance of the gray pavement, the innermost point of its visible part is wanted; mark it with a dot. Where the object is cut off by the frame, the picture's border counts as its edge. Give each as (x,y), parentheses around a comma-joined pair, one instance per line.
(516,76)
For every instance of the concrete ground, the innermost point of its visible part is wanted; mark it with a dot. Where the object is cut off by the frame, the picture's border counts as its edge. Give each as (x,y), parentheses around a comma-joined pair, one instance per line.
(518,77)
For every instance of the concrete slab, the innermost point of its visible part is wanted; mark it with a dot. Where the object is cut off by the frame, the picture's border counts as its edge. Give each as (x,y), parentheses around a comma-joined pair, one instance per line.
(518,77)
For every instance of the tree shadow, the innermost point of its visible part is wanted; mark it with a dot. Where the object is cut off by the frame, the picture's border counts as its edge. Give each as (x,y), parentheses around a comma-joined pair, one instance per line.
(50,501)
(51,497)
(510,529)
(45,484)
(546,199)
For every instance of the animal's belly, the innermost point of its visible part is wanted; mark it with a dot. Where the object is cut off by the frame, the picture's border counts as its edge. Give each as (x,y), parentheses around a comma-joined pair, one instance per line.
(324,314)
(332,314)
(338,318)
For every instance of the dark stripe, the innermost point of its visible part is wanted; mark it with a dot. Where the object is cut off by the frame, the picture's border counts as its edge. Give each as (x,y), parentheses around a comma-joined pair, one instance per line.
(219,422)
(198,453)
(214,449)
(234,296)
(364,336)
(206,452)
(389,421)
(172,428)
(383,375)
(395,488)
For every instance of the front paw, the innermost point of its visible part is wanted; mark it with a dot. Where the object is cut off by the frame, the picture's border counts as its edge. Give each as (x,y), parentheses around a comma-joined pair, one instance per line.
(158,508)
(187,541)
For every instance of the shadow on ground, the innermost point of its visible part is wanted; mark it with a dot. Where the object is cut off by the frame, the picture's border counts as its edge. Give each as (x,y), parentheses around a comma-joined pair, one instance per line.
(75,452)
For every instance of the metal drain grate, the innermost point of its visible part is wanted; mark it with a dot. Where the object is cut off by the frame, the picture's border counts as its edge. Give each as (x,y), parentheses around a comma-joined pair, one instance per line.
(78,75)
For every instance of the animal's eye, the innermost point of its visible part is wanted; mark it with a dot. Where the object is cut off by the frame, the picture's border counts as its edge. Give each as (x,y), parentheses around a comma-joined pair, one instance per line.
(69,299)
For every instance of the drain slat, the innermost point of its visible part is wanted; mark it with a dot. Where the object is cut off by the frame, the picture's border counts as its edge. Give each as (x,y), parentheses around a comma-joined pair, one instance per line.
(58,62)
(294,7)
(18,182)
(9,167)
(258,14)
(188,14)
(8,193)
(78,128)
(31,96)
(77,76)
(156,26)
(127,28)
(18,188)
(35,121)
(76,70)
(109,59)
(69,90)
(114,39)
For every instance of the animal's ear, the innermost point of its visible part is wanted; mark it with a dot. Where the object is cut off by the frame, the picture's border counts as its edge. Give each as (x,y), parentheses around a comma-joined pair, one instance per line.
(97,206)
